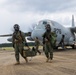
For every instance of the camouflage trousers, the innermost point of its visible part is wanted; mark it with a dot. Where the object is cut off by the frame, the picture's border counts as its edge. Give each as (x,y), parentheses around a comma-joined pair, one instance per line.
(48,51)
(37,48)
(19,50)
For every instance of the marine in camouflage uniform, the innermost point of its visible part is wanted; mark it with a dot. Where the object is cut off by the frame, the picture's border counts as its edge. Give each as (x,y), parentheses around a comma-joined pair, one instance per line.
(62,41)
(37,43)
(18,43)
(48,43)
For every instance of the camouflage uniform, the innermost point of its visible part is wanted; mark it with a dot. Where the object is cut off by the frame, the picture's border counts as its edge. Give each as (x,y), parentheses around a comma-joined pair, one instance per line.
(37,45)
(18,44)
(62,41)
(48,45)
(48,42)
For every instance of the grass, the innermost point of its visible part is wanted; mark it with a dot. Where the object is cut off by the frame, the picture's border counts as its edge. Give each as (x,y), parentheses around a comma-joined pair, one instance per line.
(7,48)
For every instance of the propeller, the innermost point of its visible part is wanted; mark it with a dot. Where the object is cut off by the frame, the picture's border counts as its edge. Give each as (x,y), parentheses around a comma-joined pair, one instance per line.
(30,29)
(27,34)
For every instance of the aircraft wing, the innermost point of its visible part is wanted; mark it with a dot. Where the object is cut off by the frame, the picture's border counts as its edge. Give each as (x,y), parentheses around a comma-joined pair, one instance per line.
(73,29)
(6,35)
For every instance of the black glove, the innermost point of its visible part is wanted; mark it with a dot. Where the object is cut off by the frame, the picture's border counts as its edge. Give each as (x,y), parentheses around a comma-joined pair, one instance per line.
(13,46)
(43,42)
(26,44)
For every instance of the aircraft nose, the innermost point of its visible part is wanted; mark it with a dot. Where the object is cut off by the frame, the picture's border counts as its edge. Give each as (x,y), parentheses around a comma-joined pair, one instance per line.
(37,33)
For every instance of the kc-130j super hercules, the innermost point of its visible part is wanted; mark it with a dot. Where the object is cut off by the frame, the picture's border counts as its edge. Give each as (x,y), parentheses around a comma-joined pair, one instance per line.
(60,30)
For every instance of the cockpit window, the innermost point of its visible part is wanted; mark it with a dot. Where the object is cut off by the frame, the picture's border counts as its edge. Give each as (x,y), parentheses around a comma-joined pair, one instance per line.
(44,22)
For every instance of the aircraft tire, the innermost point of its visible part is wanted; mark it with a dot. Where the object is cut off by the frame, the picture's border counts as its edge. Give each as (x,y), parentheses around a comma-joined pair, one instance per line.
(73,47)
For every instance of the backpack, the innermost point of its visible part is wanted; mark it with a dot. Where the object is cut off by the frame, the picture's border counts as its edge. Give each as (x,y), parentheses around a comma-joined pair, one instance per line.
(30,53)
(53,39)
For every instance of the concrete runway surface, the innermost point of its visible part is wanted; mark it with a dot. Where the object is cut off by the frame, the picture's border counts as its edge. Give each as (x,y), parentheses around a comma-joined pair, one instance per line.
(64,63)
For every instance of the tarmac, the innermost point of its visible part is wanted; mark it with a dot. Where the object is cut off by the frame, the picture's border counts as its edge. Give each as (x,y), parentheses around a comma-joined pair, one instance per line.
(64,63)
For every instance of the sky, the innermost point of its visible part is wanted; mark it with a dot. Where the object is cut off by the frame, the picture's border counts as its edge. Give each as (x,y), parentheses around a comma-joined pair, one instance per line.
(28,12)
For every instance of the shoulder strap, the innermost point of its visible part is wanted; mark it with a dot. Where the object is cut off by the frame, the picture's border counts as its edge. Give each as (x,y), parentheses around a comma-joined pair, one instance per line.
(21,35)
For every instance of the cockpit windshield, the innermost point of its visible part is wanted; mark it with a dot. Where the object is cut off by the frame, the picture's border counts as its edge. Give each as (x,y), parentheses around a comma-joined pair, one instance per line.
(42,24)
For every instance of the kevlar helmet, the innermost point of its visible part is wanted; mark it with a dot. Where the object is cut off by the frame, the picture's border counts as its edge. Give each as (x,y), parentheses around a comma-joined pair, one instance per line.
(16,27)
(48,28)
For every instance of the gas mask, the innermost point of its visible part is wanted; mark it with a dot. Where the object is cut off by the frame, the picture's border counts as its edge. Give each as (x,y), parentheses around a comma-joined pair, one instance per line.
(48,28)
(16,27)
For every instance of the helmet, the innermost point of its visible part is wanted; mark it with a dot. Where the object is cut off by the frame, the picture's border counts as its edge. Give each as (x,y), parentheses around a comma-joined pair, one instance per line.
(16,27)
(48,28)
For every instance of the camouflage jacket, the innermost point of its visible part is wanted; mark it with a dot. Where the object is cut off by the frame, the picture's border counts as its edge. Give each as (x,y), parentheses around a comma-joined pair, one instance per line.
(18,37)
(37,42)
(49,37)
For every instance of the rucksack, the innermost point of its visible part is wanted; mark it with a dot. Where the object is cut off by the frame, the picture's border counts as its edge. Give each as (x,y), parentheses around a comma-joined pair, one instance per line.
(53,39)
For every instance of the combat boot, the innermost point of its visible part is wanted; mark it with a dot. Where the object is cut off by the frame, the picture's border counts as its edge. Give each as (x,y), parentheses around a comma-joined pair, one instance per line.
(47,59)
(26,59)
(50,61)
(17,63)
(40,53)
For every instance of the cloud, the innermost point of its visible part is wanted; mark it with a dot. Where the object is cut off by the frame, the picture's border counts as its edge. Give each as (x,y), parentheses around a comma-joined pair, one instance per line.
(27,12)
(40,5)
